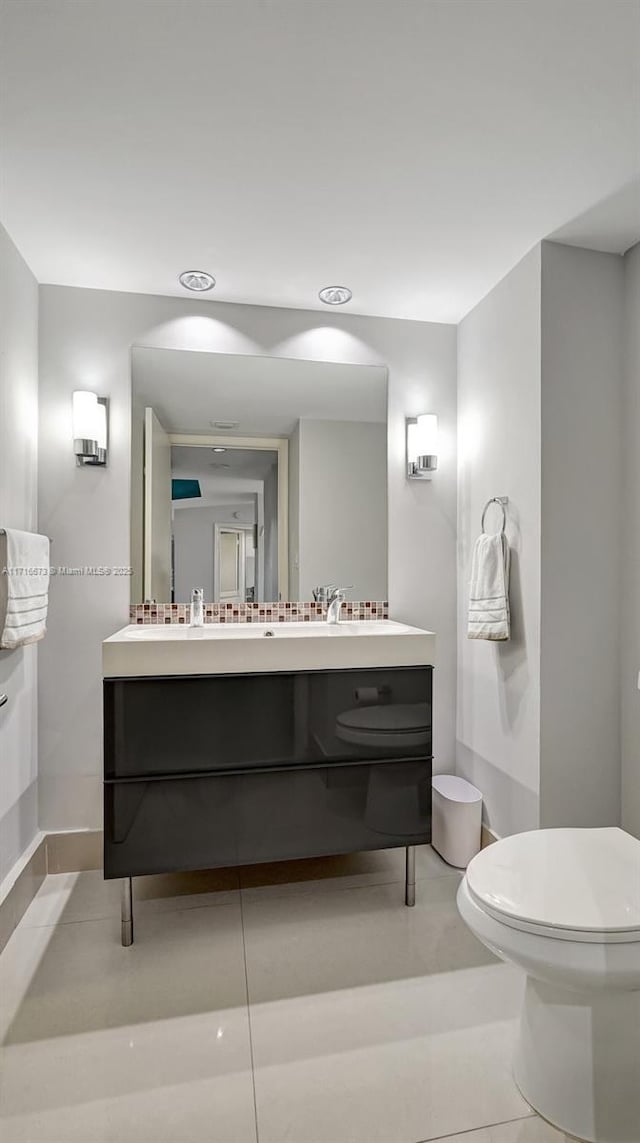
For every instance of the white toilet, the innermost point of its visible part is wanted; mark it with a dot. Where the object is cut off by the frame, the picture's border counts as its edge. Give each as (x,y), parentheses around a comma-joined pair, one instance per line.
(564,905)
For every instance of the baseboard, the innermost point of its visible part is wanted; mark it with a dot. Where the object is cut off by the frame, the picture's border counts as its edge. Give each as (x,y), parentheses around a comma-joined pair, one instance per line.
(68,851)
(74,851)
(21,885)
(487,836)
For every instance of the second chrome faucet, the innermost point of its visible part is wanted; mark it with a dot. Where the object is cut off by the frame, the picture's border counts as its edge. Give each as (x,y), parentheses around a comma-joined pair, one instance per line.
(197,607)
(335,599)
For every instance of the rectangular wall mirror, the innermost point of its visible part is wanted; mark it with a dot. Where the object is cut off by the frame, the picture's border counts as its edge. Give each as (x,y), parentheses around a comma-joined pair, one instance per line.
(256,478)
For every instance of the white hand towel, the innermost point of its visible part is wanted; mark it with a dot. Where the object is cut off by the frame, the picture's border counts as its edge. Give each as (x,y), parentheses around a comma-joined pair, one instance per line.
(489,588)
(24,588)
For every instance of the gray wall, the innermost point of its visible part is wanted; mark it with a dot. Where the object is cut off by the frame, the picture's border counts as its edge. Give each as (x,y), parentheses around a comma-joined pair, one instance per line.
(630,642)
(582,369)
(18,509)
(498,722)
(271,534)
(540,399)
(294,513)
(193,534)
(343,507)
(86,339)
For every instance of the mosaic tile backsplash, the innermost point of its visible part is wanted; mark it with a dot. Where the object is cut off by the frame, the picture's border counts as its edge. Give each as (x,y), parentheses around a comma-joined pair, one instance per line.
(255,612)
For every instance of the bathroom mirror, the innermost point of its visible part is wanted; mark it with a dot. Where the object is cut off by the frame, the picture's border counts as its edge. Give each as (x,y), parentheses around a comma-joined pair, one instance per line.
(256,478)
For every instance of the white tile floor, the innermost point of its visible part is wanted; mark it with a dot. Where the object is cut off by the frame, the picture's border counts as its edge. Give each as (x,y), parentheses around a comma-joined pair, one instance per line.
(294,1003)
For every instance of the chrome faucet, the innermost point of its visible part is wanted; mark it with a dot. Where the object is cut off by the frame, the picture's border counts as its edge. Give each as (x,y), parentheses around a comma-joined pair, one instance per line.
(335,599)
(197,607)
(322,592)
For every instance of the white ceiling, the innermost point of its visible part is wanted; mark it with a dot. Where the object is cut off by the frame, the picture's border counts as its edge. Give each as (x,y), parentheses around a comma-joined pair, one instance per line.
(250,464)
(266,395)
(612,225)
(413,151)
(236,483)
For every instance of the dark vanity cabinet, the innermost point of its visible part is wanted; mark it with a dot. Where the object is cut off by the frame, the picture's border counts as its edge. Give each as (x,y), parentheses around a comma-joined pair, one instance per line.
(206,771)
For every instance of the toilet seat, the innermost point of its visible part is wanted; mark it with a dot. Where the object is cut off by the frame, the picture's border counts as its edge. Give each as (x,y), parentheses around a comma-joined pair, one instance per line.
(570,884)
(385,726)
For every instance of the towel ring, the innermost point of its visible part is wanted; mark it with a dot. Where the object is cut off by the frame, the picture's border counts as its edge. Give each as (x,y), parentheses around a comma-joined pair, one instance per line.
(501,501)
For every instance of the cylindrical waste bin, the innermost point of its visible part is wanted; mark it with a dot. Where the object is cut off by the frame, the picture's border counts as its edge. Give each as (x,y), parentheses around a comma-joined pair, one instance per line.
(457,819)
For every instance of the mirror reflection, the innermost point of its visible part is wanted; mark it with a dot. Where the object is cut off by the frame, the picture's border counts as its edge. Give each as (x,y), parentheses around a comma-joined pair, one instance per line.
(256,478)
(225,523)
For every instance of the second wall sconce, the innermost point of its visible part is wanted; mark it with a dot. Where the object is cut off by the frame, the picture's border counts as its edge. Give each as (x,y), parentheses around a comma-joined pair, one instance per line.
(89,428)
(422,446)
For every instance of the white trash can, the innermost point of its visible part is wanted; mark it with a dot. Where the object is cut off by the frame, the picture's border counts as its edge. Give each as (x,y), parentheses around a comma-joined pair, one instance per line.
(456,824)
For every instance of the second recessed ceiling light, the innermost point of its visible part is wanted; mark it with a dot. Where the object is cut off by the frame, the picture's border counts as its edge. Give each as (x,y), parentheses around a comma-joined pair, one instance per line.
(335,295)
(197,280)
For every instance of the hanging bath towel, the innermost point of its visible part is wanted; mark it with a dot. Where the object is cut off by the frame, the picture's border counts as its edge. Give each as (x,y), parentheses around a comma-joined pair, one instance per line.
(489,588)
(24,588)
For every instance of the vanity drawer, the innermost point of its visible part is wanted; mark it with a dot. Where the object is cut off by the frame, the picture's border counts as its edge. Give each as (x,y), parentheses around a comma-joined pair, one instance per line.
(166,824)
(186,725)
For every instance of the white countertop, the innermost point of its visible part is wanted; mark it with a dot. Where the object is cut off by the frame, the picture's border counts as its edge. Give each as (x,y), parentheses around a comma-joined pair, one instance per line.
(234,648)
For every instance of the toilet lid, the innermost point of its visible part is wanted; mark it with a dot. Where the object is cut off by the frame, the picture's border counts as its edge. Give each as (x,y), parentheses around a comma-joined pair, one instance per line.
(390,719)
(585,880)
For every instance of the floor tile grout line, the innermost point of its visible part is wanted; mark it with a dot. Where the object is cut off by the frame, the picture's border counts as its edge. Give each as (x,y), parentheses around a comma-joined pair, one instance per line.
(246,985)
(480,1127)
(254,890)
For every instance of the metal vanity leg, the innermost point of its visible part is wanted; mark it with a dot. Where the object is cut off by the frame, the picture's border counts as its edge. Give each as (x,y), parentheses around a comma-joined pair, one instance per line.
(410,877)
(127,912)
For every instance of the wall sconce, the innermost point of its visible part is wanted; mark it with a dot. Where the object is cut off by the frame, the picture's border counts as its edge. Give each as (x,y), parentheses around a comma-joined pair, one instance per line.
(89,428)
(422,446)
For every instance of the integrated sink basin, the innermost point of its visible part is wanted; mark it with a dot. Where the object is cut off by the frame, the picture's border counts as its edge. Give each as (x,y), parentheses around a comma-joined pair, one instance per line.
(233,648)
(255,630)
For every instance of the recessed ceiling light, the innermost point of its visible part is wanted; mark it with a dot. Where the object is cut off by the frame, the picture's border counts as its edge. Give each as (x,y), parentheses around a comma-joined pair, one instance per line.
(335,295)
(197,280)
(218,449)
(224,424)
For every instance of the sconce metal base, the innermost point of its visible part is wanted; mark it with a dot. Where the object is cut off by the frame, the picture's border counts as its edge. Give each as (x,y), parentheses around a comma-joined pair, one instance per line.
(422,468)
(84,448)
(100,458)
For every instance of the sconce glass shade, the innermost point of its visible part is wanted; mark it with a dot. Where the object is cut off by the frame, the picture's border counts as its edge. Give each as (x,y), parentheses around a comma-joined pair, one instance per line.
(427,435)
(89,428)
(84,414)
(422,446)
